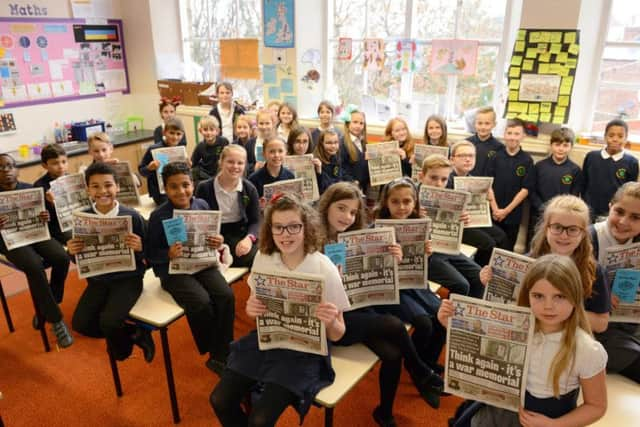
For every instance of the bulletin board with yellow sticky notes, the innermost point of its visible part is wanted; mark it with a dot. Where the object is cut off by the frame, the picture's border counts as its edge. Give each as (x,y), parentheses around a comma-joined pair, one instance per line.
(541,75)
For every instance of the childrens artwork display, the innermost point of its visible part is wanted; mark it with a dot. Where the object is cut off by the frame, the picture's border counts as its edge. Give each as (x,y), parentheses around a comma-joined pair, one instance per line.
(344,48)
(405,56)
(373,54)
(454,57)
(278,20)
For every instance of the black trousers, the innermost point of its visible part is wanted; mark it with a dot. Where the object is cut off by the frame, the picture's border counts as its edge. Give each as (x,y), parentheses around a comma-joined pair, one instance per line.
(32,260)
(511,230)
(102,311)
(233,233)
(485,239)
(209,304)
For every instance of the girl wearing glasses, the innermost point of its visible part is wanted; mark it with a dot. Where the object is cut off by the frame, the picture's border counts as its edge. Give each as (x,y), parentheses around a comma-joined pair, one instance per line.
(289,241)
(563,231)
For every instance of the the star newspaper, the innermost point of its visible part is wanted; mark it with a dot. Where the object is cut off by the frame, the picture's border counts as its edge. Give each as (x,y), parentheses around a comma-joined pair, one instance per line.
(421,152)
(167,155)
(384,162)
(287,186)
(488,351)
(290,321)
(444,207)
(508,270)
(128,192)
(478,207)
(370,276)
(618,258)
(411,234)
(22,209)
(105,250)
(303,167)
(196,254)
(69,194)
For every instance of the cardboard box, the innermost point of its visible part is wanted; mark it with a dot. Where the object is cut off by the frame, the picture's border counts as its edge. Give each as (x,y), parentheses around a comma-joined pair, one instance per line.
(186,91)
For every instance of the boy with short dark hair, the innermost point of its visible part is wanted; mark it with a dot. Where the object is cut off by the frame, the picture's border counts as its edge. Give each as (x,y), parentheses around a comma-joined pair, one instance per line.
(205,296)
(513,180)
(54,160)
(104,306)
(204,159)
(486,145)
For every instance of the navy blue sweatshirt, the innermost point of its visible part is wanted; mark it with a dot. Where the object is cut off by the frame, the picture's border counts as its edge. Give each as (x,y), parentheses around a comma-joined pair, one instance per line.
(510,175)
(205,156)
(54,226)
(485,150)
(261,177)
(553,179)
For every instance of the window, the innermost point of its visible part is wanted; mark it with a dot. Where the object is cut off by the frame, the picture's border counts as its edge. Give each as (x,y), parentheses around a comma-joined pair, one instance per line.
(618,92)
(203,23)
(423,21)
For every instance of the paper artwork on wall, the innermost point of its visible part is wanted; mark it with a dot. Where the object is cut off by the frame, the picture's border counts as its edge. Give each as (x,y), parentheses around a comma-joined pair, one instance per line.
(454,57)
(278,22)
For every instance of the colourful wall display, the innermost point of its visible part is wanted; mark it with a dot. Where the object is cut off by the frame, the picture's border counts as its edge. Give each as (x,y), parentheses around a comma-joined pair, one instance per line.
(52,60)
(541,75)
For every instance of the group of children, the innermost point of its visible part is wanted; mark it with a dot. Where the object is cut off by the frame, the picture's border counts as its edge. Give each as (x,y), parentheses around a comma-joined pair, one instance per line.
(565,287)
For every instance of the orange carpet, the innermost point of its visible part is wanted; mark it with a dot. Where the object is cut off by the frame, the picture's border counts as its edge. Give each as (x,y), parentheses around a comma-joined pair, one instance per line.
(74,387)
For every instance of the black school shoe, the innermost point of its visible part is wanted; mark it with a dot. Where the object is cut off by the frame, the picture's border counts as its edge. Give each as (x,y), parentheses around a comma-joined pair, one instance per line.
(383,422)
(215,366)
(63,336)
(430,388)
(143,339)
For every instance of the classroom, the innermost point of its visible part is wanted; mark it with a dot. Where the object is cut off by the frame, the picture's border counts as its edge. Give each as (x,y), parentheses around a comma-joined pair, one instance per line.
(412,212)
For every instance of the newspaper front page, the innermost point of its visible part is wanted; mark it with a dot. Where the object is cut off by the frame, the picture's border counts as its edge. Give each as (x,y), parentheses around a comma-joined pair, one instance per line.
(288,186)
(371,273)
(69,194)
(22,209)
(508,270)
(623,257)
(444,207)
(196,254)
(478,207)
(128,192)
(488,351)
(303,167)
(384,162)
(290,322)
(411,234)
(421,152)
(167,155)
(105,250)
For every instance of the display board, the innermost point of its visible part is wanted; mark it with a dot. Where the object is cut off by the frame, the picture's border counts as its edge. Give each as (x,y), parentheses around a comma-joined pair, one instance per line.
(53,60)
(541,75)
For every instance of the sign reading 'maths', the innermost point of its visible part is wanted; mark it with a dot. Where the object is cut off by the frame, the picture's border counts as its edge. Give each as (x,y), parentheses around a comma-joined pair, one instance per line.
(16,9)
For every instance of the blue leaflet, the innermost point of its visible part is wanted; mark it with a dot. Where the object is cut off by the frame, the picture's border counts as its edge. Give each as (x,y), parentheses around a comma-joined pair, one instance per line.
(175,230)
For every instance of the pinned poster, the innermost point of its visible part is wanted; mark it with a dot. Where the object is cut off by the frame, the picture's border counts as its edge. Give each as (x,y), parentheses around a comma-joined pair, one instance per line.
(344,48)
(278,21)
(239,59)
(405,56)
(454,57)
(373,54)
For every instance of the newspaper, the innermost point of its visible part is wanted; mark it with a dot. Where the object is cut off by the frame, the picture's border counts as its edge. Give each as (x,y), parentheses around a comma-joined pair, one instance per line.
(508,270)
(22,209)
(623,257)
(69,194)
(128,192)
(371,273)
(411,234)
(421,152)
(303,167)
(488,351)
(384,162)
(290,322)
(444,207)
(292,186)
(104,250)
(196,254)
(167,155)
(478,207)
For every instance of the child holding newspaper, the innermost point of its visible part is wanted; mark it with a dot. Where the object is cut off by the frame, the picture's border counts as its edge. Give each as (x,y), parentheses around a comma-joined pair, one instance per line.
(621,229)
(275,150)
(289,242)
(564,357)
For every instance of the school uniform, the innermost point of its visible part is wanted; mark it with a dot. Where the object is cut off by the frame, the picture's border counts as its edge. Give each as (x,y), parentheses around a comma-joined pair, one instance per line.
(357,170)
(330,173)
(158,136)
(106,301)
(485,150)
(240,217)
(315,135)
(603,174)
(205,296)
(54,225)
(511,173)
(553,179)
(205,157)
(152,176)
(32,261)
(249,146)
(262,176)
(228,121)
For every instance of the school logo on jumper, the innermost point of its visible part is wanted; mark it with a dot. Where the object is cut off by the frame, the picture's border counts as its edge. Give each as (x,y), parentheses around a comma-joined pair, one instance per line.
(621,173)
(491,153)
(567,179)
(520,171)
(335,171)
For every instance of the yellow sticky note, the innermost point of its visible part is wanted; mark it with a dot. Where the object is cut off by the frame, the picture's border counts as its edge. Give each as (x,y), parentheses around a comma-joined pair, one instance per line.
(519,47)
(572,62)
(557,119)
(555,68)
(534,37)
(570,37)
(565,89)
(542,47)
(545,107)
(531,53)
(527,65)
(513,95)
(510,107)
(545,117)
(556,37)
(562,57)
(567,81)
(545,36)
(574,49)
(543,69)
(533,117)
(516,60)
(560,111)
(514,84)
(555,48)
(563,100)
(534,109)
(544,57)
(563,71)
(514,72)
(512,115)
(522,34)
